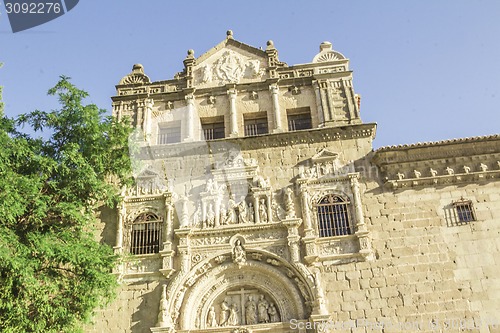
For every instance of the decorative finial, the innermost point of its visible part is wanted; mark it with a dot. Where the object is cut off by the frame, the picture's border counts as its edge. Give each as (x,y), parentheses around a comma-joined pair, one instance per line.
(138,68)
(270,44)
(229,34)
(190,53)
(325,46)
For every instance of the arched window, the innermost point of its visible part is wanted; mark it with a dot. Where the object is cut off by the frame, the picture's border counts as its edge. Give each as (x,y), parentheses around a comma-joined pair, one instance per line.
(146,234)
(333,216)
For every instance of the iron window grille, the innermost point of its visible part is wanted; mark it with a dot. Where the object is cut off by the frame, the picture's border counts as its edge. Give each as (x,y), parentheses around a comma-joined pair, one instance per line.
(213,131)
(464,210)
(256,126)
(146,234)
(333,216)
(297,122)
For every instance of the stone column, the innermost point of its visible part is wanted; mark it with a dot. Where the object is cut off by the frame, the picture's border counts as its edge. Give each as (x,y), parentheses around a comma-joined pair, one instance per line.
(306,214)
(147,120)
(360,225)
(319,106)
(217,203)
(119,228)
(276,108)
(269,209)
(233,129)
(256,205)
(168,223)
(189,136)
(326,101)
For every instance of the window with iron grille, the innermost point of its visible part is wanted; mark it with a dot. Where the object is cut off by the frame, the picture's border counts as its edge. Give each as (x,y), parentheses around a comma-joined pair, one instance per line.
(255,126)
(146,234)
(299,119)
(212,131)
(169,133)
(333,216)
(464,210)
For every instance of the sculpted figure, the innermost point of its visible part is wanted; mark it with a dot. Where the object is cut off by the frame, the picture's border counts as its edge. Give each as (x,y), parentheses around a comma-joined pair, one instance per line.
(239,254)
(263,211)
(234,318)
(242,211)
(211,320)
(206,74)
(251,213)
(263,307)
(231,212)
(251,311)
(274,317)
(197,216)
(223,215)
(210,216)
(224,314)
(289,205)
(163,310)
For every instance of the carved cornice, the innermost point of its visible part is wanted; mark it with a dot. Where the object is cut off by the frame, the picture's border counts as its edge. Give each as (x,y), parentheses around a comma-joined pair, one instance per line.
(440,163)
(272,140)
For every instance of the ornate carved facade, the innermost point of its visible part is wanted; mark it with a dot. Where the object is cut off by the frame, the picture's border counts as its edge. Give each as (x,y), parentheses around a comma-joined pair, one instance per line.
(258,193)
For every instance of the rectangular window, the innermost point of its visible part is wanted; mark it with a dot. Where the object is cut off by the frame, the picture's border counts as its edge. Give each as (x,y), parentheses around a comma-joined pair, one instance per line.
(256,126)
(299,119)
(169,133)
(213,130)
(464,210)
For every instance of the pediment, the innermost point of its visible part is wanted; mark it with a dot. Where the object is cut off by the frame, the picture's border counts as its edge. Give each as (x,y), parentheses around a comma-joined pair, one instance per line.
(324,155)
(230,62)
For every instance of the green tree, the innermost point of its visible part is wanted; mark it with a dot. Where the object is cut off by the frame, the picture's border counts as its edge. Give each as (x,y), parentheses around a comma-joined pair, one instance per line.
(53,272)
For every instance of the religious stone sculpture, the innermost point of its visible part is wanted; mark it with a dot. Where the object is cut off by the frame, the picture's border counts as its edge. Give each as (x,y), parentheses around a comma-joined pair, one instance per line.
(234,318)
(251,213)
(263,211)
(231,212)
(211,320)
(274,317)
(210,222)
(239,254)
(197,216)
(289,205)
(223,215)
(224,313)
(163,310)
(242,211)
(263,306)
(251,311)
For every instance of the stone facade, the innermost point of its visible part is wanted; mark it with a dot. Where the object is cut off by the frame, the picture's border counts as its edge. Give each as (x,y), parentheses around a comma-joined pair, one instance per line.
(260,206)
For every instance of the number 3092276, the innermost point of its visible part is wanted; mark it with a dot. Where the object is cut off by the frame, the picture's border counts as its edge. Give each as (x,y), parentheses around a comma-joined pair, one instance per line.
(33,8)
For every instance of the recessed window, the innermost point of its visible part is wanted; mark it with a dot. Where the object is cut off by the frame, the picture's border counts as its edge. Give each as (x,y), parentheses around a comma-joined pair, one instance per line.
(212,130)
(146,234)
(464,210)
(299,119)
(333,216)
(256,126)
(169,133)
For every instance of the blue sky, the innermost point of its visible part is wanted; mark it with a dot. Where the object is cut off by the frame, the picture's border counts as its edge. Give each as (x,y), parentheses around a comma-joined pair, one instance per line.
(426,70)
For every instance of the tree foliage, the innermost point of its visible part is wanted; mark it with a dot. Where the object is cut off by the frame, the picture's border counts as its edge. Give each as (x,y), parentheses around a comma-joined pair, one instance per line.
(53,273)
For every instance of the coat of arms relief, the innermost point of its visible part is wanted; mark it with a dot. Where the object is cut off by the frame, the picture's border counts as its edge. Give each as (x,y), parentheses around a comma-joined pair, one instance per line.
(231,67)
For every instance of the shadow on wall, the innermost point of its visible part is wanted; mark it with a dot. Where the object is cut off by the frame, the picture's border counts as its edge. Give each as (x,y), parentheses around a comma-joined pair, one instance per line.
(145,315)
(108,218)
